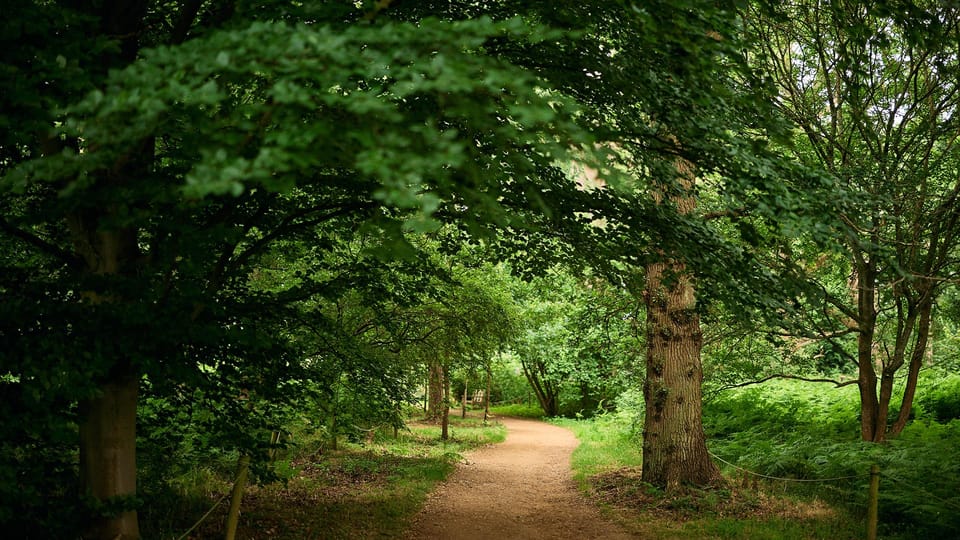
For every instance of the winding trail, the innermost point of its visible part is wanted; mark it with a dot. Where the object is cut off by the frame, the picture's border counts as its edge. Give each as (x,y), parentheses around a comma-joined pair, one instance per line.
(522,488)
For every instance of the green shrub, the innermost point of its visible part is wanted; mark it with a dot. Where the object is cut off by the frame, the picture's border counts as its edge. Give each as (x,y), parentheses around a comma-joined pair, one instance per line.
(801,431)
(940,398)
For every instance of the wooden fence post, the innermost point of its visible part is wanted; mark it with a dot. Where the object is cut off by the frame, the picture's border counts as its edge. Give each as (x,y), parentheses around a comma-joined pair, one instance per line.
(873,502)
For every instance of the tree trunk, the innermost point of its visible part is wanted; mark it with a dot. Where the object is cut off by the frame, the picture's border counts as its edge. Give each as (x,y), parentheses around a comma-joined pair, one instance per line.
(445,414)
(916,361)
(486,397)
(108,459)
(545,391)
(426,393)
(674,443)
(463,405)
(108,421)
(867,373)
(435,401)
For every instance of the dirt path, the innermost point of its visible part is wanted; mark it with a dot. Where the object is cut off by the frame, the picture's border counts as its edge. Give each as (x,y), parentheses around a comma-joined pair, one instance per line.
(522,488)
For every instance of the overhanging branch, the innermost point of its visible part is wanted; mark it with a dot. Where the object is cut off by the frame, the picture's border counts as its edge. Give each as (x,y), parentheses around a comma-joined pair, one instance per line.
(835,383)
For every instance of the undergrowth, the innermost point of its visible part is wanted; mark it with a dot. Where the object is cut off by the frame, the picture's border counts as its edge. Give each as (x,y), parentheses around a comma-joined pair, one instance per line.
(805,431)
(607,466)
(519,410)
(367,489)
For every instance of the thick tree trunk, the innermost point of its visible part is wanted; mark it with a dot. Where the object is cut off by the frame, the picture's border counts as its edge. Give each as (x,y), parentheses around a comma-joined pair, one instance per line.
(674,443)
(108,459)
(108,421)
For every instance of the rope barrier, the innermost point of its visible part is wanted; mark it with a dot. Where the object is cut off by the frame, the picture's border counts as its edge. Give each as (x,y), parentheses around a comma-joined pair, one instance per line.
(204,517)
(210,511)
(834,479)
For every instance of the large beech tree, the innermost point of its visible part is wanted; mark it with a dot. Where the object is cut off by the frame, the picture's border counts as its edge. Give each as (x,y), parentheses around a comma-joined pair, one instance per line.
(138,211)
(674,443)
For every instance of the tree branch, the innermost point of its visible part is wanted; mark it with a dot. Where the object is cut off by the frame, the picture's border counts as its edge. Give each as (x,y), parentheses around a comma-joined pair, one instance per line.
(39,243)
(836,384)
(185,21)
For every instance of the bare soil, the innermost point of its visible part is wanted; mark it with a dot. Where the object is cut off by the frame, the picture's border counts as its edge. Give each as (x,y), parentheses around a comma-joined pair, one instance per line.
(520,489)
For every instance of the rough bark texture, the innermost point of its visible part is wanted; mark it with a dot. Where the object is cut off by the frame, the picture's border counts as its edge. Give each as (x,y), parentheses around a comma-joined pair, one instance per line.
(674,444)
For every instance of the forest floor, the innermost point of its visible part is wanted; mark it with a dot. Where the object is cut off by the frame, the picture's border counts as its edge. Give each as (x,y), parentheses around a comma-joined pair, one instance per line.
(521,488)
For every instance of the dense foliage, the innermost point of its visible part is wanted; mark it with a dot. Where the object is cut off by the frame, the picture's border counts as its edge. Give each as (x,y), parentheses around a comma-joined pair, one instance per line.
(797,432)
(225,222)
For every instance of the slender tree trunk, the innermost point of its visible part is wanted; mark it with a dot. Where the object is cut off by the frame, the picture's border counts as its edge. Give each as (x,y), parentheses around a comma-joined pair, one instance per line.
(545,392)
(913,373)
(674,443)
(426,393)
(463,405)
(335,414)
(445,413)
(486,396)
(435,401)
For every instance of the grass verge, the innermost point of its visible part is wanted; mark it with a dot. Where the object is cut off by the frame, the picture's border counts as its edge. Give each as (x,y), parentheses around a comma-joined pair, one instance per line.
(607,466)
(359,491)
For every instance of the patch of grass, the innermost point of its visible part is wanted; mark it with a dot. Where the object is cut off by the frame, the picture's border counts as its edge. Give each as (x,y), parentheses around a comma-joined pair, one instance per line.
(518,410)
(607,466)
(605,445)
(360,491)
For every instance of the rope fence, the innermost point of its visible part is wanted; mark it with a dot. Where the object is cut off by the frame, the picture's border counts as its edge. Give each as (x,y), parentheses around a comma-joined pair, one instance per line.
(920,490)
(873,494)
(204,517)
(768,477)
(208,512)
